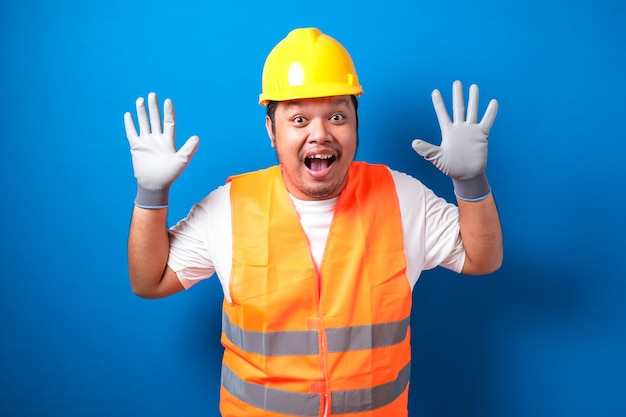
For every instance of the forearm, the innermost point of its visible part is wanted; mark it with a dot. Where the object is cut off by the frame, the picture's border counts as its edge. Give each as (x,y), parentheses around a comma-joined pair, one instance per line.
(148,249)
(481,233)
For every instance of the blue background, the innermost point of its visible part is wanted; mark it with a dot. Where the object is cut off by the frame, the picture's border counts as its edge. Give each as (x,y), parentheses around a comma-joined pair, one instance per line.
(544,336)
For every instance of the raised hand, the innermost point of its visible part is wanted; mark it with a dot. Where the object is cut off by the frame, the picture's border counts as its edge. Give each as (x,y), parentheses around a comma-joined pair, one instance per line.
(462,154)
(156,163)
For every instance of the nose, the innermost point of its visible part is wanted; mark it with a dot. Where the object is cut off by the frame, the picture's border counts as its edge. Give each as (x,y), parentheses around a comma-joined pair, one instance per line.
(319,131)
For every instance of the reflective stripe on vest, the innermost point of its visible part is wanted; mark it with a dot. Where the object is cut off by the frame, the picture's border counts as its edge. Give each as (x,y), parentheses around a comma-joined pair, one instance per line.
(300,404)
(295,343)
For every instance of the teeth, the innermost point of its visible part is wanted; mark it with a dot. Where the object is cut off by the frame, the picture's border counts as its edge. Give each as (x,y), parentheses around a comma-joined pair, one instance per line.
(318,156)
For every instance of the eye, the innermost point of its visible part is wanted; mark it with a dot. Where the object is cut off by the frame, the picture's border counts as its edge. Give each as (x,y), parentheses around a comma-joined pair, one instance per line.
(298,119)
(337,117)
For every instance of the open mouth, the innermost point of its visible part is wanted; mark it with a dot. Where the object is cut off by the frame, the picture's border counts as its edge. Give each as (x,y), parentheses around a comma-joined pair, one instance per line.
(318,162)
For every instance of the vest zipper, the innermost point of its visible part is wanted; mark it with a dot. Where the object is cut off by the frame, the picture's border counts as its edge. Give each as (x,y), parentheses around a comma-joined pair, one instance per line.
(323,348)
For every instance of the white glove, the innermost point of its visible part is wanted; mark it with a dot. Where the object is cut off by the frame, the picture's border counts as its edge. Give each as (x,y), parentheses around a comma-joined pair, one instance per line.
(462,154)
(155,161)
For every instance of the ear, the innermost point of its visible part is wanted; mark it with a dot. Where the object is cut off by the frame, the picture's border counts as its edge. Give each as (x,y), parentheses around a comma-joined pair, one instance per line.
(270,131)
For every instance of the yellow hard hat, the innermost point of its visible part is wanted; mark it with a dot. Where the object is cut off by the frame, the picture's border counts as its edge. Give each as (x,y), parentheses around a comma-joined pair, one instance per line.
(308,64)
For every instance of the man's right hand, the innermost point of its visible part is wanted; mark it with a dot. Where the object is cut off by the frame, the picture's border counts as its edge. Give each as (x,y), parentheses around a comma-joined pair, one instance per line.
(156,162)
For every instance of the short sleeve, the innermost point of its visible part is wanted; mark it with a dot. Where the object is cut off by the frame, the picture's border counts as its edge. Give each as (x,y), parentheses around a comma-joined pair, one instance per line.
(197,242)
(431,228)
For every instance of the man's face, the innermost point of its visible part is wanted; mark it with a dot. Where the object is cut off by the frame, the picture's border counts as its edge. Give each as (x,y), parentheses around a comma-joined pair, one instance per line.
(315,141)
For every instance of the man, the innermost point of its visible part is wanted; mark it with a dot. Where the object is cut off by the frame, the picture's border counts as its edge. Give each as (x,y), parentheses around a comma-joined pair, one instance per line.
(318,255)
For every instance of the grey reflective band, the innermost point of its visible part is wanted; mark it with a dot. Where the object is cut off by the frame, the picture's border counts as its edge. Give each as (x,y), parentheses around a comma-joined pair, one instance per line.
(305,342)
(291,343)
(299,404)
(368,399)
(344,339)
(270,399)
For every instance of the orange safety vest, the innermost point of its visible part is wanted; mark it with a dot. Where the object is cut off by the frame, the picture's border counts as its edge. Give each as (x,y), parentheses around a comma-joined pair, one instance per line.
(296,338)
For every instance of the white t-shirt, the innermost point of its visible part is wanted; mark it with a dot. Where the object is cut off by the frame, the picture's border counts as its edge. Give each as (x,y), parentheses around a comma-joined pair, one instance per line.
(201,243)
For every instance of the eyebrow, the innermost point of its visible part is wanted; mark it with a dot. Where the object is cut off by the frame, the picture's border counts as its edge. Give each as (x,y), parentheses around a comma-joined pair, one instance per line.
(302,103)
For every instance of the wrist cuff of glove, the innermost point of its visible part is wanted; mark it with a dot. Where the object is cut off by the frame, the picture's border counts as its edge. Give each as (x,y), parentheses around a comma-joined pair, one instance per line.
(473,189)
(151,199)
